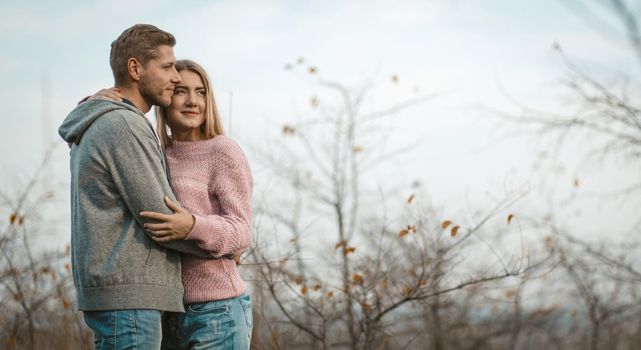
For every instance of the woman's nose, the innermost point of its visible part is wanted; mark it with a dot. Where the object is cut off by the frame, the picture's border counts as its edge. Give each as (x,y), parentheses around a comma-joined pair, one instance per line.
(191,100)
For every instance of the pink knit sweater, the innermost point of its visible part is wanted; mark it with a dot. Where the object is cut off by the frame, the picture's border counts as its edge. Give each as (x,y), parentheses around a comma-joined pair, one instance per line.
(213,181)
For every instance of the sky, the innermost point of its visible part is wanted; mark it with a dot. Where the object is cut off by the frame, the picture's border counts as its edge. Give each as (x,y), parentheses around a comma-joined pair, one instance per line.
(466,52)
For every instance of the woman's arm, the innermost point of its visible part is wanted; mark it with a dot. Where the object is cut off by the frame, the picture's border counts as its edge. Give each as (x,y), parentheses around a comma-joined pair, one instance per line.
(105,94)
(230,232)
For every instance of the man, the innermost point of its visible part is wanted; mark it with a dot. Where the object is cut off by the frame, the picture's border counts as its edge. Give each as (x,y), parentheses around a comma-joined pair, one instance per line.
(123,278)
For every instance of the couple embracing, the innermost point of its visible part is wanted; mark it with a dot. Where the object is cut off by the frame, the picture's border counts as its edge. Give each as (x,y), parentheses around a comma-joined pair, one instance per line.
(159,217)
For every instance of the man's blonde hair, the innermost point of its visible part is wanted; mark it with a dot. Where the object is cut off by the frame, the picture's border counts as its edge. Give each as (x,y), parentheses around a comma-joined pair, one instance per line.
(141,42)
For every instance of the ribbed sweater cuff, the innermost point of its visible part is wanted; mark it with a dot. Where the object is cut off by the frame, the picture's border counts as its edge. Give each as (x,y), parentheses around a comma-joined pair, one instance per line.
(204,232)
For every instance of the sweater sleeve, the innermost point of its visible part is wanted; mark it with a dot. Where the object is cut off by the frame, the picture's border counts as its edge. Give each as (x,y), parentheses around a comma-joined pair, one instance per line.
(135,162)
(231,231)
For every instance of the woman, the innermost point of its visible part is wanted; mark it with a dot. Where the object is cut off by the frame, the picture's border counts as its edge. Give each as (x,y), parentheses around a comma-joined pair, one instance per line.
(211,179)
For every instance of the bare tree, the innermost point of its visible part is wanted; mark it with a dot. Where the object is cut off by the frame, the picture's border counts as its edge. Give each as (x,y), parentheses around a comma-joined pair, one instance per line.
(595,278)
(36,283)
(366,267)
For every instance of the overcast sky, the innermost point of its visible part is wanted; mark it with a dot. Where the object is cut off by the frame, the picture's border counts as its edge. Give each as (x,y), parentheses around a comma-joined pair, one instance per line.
(469,52)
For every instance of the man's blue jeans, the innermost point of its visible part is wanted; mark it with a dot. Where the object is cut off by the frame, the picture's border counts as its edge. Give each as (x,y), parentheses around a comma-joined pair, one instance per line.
(125,329)
(221,325)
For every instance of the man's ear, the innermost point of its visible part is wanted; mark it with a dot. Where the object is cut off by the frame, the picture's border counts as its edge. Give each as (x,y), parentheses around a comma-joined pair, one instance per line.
(135,69)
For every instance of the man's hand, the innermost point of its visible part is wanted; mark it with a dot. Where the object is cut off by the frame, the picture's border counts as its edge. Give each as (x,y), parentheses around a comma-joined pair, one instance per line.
(170,227)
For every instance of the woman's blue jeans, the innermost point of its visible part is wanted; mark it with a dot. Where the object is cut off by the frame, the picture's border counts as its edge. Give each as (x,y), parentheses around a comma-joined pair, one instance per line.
(125,329)
(221,324)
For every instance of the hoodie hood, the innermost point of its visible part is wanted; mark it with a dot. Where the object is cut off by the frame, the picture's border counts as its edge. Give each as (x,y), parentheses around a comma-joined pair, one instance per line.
(81,118)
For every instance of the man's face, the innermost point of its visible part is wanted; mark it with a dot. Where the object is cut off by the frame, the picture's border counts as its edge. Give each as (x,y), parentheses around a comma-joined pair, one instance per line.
(159,78)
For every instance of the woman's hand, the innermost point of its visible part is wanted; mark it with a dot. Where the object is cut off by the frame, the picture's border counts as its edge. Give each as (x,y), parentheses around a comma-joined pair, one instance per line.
(108,94)
(170,227)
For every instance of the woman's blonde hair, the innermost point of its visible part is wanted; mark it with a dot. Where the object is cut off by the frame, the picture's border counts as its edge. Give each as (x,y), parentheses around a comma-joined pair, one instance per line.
(212,125)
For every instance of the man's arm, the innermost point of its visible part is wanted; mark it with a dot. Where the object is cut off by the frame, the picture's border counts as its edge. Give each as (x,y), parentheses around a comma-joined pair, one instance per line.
(134,160)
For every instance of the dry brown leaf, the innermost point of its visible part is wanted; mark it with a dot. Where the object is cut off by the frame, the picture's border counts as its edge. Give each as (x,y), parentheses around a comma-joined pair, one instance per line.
(410,199)
(303,290)
(358,279)
(367,307)
(330,294)
(445,224)
(340,244)
(11,342)
(12,218)
(288,130)
(454,231)
(509,218)
(317,287)
(510,294)
(298,279)
(409,229)
(348,250)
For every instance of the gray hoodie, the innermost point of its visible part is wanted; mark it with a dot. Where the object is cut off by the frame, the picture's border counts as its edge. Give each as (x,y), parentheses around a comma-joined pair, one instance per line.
(117,171)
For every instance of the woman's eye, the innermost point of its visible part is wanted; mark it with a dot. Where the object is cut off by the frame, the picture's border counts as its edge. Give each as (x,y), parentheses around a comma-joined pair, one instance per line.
(201,93)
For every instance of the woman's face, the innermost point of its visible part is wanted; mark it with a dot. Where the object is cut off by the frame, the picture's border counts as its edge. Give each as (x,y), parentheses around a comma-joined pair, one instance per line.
(186,113)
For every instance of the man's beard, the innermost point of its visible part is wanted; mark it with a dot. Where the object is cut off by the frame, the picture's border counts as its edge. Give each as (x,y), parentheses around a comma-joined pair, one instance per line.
(151,96)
